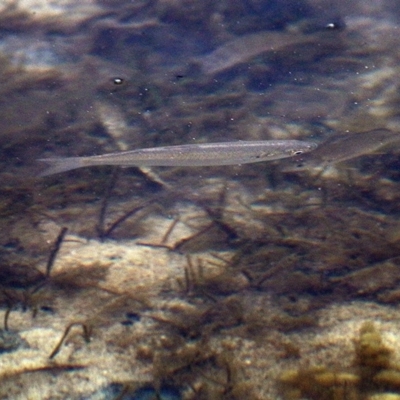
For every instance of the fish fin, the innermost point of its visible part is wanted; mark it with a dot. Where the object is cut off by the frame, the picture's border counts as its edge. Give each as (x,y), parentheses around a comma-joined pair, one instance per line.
(62,164)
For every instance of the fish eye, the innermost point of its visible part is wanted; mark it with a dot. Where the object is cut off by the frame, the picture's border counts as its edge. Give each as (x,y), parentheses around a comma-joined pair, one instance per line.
(297,153)
(118,81)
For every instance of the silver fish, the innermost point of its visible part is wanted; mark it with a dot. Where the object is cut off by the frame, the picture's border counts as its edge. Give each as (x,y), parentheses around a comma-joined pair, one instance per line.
(244,48)
(343,147)
(189,155)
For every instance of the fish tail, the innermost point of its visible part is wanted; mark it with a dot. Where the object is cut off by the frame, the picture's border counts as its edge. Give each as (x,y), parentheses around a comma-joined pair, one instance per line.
(62,164)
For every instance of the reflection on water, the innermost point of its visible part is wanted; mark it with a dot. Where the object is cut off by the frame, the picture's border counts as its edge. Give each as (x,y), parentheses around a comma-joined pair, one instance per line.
(257,281)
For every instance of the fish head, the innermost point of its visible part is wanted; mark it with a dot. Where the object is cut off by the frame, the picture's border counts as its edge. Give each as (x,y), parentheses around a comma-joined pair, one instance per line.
(303,148)
(288,149)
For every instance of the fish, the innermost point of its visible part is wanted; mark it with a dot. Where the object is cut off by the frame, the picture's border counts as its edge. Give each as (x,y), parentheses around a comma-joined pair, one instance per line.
(342,147)
(187,155)
(243,48)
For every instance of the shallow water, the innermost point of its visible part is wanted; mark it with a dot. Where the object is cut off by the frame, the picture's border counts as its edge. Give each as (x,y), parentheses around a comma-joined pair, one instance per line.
(224,282)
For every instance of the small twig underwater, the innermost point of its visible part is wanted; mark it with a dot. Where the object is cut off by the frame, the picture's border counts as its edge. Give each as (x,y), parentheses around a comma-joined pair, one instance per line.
(6,315)
(122,219)
(169,230)
(102,231)
(87,330)
(55,250)
(104,204)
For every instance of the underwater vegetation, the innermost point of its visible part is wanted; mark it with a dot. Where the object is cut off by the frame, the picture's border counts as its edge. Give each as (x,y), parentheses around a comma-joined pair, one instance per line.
(372,375)
(216,262)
